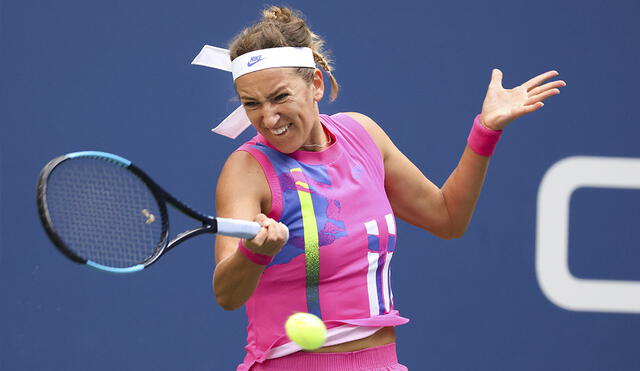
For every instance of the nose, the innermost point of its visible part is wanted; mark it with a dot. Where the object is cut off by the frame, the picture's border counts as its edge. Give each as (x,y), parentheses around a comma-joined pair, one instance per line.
(270,116)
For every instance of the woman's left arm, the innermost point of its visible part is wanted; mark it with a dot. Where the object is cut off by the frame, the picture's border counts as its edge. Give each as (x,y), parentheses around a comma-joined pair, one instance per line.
(446,211)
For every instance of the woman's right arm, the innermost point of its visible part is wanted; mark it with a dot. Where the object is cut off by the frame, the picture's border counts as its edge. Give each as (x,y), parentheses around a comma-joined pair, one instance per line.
(242,193)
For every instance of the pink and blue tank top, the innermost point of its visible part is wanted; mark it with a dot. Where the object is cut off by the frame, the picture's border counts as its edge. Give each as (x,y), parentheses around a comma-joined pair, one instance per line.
(336,263)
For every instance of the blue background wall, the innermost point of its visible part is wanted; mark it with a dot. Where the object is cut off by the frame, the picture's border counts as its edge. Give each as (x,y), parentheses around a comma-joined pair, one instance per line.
(115,76)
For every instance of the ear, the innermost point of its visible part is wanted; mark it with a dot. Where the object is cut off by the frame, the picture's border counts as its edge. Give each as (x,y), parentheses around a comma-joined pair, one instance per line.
(318,85)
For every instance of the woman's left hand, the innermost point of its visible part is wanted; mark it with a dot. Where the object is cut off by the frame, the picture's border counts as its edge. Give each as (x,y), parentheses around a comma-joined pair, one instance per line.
(501,106)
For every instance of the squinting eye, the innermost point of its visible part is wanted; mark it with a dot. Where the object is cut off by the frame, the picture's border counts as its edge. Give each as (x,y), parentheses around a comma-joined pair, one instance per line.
(281,97)
(250,104)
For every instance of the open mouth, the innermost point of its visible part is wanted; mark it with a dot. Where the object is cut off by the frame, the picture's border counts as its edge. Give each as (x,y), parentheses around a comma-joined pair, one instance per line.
(281,130)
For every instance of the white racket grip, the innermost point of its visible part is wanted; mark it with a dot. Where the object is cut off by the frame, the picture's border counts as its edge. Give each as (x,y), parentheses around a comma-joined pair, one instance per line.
(241,228)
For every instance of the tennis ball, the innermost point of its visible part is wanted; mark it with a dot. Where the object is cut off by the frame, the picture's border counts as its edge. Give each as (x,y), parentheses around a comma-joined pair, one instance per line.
(306,330)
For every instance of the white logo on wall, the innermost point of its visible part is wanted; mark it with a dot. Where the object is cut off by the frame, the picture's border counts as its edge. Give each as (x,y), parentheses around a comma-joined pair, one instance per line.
(552,234)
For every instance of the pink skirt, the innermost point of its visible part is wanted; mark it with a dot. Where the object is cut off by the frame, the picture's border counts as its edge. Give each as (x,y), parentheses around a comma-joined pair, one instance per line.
(382,358)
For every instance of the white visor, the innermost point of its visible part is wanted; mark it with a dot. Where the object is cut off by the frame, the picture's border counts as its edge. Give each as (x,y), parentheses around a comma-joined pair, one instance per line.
(272,58)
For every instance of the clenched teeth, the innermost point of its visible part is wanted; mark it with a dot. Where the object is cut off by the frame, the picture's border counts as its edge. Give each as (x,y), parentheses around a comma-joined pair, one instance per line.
(280,130)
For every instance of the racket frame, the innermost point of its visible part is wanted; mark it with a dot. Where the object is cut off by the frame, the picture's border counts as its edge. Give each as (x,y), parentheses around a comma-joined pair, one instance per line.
(162,197)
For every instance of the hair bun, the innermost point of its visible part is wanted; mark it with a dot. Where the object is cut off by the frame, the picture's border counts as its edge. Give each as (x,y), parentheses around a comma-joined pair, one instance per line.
(279,14)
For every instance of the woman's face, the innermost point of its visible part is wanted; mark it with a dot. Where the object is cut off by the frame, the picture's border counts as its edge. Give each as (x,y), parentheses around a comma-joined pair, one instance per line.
(283,107)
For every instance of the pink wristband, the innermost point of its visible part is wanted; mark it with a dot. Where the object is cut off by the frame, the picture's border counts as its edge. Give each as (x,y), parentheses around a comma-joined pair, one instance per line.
(259,259)
(483,140)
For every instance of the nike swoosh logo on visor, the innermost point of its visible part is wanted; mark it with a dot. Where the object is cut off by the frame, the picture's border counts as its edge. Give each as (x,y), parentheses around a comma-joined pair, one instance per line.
(254,60)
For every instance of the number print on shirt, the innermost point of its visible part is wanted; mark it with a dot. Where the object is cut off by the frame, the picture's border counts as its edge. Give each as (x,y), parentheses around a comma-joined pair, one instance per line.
(379,257)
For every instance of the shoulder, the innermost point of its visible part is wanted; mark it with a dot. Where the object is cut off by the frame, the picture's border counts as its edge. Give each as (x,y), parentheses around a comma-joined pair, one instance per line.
(373,129)
(240,162)
(241,180)
(241,157)
(367,123)
(363,120)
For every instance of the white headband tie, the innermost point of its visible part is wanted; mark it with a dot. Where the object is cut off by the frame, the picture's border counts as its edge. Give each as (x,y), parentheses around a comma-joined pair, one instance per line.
(218,58)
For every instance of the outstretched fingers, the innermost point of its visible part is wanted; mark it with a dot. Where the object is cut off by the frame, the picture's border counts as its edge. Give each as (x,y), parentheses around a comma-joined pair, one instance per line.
(537,93)
(501,106)
(548,86)
(542,96)
(532,107)
(535,81)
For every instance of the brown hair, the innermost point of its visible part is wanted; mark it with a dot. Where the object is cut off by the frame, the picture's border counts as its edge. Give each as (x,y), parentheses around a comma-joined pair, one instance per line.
(280,27)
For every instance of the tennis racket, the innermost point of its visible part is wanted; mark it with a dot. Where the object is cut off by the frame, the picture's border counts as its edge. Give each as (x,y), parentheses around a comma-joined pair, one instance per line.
(101,210)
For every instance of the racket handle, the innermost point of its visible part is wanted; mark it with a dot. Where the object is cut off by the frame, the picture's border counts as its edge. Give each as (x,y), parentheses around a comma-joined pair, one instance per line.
(241,228)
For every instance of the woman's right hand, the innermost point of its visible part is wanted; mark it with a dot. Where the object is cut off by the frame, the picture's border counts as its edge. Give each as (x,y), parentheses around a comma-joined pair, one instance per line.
(270,239)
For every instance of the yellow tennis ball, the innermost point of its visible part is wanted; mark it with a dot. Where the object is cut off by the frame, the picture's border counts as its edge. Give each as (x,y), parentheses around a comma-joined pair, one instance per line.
(306,330)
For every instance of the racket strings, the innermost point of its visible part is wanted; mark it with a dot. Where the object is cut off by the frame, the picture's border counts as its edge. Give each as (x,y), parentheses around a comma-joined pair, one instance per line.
(103,212)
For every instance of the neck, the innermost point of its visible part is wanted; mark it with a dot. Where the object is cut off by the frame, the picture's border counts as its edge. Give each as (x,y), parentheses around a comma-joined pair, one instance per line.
(323,141)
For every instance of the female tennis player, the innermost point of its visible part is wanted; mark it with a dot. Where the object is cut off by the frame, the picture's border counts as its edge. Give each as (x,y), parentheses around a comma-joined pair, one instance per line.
(337,182)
